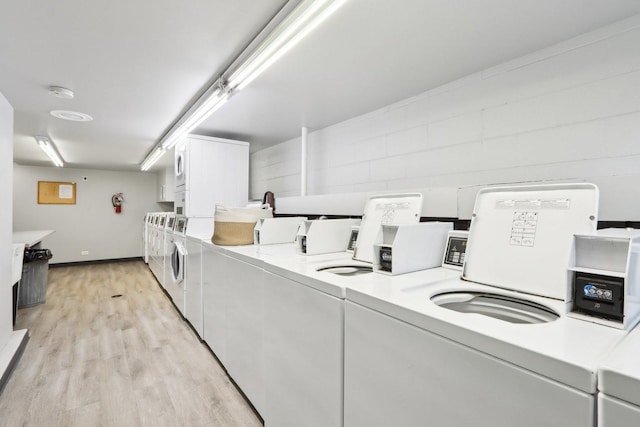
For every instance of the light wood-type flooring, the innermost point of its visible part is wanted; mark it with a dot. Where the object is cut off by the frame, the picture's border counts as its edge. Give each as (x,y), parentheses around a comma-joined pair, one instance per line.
(94,360)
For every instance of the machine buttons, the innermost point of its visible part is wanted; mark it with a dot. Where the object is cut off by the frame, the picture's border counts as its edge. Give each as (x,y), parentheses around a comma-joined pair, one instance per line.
(592,291)
(456,248)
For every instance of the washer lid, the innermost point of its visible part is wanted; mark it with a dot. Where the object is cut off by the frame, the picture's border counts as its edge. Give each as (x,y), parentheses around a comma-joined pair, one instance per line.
(385,209)
(520,237)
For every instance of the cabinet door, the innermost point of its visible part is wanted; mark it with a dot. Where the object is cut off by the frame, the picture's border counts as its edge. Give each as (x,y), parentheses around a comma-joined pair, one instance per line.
(166,187)
(397,374)
(304,335)
(214,295)
(245,331)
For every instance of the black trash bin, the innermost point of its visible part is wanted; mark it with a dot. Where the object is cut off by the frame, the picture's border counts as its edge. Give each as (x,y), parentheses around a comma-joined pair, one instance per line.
(35,275)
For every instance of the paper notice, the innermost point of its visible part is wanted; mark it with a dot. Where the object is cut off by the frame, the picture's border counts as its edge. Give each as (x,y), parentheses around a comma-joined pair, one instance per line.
(65,192)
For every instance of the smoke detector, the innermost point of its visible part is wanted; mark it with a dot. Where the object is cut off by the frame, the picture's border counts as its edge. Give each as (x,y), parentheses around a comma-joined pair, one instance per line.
(61,92)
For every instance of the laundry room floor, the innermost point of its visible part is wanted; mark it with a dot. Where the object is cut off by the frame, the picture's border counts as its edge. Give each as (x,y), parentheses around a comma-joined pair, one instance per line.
(98,359)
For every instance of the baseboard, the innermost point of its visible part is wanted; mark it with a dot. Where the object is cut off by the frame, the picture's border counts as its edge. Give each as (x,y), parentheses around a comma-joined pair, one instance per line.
(96,261)
(11,354)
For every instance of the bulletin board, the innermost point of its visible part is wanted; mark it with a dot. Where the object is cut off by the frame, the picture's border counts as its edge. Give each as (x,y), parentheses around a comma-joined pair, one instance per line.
(56,193)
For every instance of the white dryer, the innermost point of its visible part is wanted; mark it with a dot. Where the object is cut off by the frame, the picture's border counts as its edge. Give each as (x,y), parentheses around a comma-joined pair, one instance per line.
(494,348)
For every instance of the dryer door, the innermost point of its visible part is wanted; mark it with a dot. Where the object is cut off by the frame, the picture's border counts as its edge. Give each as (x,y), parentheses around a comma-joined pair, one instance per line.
(178,263)
(179,169)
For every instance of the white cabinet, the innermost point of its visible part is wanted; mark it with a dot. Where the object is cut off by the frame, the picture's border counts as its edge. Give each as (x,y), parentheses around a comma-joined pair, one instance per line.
(398,374)
(245,331)
(303,352)
(209,171)
(166,186)
(214,294)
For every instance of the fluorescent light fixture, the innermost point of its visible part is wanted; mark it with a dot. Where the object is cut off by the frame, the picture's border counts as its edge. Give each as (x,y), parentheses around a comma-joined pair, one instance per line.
(47,146)
(307,16)
(196,115)
(287,33)
(153,157)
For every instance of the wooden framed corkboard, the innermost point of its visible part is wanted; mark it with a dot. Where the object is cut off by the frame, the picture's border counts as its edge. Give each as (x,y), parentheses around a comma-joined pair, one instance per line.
(56,193)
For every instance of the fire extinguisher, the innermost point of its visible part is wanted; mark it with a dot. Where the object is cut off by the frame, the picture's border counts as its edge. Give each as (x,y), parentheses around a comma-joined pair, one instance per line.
(116,201)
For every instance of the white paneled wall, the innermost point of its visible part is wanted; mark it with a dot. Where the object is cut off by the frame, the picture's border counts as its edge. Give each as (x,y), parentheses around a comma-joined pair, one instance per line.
(276,169)
(571,111)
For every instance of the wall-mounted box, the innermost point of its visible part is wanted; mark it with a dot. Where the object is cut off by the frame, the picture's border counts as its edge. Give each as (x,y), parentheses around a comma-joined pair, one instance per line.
(324,236)
(605,278)
(410,247)
(270,231)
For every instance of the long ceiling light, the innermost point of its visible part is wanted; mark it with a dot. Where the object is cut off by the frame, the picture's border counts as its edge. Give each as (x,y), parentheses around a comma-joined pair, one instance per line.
(307,16)
(153,157)
(47,146)
(293,28)
(210,102)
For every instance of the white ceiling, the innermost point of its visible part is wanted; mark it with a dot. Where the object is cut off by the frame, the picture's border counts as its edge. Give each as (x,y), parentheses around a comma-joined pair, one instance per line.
(136,65)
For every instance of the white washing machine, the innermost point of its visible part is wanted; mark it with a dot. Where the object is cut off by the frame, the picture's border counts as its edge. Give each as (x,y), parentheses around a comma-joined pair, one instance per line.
(304,300)
(145,238)
(167,248)
(176,285)
(156,240)
(493,348)
(149,234)
(198,229)
(619,385)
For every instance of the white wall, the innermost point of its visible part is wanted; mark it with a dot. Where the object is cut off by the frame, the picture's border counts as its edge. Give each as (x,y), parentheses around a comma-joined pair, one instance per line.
(6,250)
(91,224)
(568,112)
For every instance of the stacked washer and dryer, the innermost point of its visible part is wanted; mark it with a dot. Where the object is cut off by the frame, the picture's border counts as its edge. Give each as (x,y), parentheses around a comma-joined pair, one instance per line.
(207,171)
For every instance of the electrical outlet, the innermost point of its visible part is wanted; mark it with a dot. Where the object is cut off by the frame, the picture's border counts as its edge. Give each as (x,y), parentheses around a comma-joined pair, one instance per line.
(84,253)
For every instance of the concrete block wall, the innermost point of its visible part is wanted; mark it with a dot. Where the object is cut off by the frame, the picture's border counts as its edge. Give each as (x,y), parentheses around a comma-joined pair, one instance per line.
(568,112)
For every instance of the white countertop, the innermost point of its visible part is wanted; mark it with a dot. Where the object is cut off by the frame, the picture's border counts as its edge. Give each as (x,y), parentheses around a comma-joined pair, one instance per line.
(32,237)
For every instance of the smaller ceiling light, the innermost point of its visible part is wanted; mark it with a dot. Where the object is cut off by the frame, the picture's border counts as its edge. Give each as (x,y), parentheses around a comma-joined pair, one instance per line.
(71,115)
(47,146)
(61,92)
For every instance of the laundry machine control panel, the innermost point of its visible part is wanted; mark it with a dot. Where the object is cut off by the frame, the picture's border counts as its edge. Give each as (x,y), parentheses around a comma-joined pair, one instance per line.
(353,238)
(455,250)
(597,295)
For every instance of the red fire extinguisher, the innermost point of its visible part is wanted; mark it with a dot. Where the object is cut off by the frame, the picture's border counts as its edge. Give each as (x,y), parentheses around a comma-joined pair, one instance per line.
(116,201)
